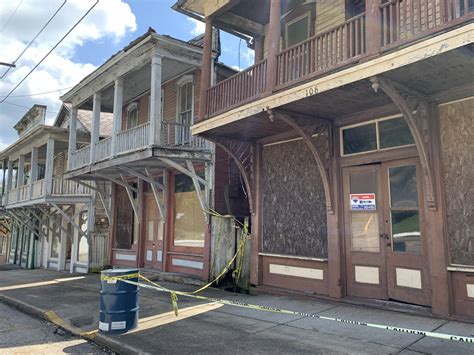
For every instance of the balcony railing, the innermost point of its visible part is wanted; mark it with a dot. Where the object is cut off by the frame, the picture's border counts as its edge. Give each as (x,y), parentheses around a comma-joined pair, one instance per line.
(246,85)
(400,22)
(23,193)
(133,139)
(81,157)
(68,187)
(102,149)
(38,188)
(179,135)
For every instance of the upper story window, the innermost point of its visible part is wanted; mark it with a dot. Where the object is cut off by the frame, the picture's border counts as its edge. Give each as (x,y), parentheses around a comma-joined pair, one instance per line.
(132,115)
(297,30)
(384,133)
(354,8)
(185,109)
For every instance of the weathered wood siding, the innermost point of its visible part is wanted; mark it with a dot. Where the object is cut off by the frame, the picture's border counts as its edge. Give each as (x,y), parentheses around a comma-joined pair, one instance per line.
(457,152)
(329,13)
(294,212)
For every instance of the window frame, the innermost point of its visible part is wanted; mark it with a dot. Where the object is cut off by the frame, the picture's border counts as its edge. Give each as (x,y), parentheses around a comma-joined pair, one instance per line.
(377,136)
(182,82)
(293,21)
(130,108)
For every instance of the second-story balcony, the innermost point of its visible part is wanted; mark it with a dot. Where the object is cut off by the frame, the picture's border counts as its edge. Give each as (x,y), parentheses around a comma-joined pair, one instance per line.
(172,135)
(393,24)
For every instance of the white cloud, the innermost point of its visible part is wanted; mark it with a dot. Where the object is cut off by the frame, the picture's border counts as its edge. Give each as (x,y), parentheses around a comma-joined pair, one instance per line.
(109,20)
(196,27)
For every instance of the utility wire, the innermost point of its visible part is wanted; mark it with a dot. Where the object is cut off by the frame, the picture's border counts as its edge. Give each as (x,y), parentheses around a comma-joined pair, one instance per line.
(31,42)
(52,49)
(11,16)
(23,106)
(40,93)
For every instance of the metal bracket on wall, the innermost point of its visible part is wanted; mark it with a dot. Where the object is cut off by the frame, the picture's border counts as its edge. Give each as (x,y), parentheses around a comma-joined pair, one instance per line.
(409,101)
(316,134)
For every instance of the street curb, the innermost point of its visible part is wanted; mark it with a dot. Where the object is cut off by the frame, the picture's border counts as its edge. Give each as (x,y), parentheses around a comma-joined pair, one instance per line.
(50,316)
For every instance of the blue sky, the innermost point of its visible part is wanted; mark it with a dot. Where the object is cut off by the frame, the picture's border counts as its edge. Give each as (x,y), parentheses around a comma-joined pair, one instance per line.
(107,29)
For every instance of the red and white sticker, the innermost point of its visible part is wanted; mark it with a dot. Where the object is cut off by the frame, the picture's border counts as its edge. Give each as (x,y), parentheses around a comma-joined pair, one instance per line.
(363,202)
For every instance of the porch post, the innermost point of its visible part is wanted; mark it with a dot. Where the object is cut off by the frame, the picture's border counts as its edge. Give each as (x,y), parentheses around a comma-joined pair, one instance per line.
(373,26)
(49,166)
(95,131)
(20,177)
(33,171)
(259,48)
(274,34)
(9,180)
(72,137)
(206,69)
(155,98)
(117,118)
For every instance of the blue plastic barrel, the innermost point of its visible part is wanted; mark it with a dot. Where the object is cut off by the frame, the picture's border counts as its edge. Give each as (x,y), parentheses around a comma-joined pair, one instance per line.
(118,301)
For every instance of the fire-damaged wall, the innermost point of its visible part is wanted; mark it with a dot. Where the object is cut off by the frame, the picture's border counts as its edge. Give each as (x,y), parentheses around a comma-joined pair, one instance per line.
(294,212)
(457,151)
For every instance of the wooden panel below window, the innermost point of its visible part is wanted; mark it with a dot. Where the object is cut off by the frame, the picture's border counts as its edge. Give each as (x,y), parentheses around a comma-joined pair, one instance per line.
(463,293)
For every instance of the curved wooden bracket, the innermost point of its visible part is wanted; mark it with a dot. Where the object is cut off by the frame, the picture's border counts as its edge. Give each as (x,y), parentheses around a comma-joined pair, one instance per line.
(418,123)
(242,153)
(316,135)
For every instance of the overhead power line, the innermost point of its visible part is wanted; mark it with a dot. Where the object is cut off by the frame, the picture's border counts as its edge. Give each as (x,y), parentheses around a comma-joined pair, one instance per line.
(34,38)
(41,93)
(52,49)
(11,16)
(23,106)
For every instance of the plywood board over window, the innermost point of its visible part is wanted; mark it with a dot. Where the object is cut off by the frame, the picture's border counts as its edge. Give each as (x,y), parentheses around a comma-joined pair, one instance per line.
(294,212)
(457,152)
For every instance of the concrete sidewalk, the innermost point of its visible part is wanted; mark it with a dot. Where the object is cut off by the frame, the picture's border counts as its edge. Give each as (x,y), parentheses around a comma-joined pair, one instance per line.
(213,328)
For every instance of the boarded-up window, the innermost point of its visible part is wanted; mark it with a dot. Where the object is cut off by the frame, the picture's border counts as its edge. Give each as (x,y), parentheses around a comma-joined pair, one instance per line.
(124,219)
(457,151)
(294,208)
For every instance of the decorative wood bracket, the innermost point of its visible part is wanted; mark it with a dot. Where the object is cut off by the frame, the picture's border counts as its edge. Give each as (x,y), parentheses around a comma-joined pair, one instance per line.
(408,101)
(242,154)
(316,134)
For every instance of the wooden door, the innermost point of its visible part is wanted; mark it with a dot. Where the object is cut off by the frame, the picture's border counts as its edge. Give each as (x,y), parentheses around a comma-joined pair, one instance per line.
(153,234)
(407,271)
(364,232)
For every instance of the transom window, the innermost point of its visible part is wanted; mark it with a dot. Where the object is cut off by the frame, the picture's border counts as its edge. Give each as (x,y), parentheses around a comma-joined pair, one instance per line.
(297,30)
(384,133)
(132,115)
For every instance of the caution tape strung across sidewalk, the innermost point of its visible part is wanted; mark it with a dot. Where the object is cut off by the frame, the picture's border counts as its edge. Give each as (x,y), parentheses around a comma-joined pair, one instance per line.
(458,338)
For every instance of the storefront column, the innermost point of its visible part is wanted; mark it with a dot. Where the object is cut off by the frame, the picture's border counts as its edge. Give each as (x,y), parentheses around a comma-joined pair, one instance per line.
(72,137)
(33,171)
(62,246)
(95,132)
(117,115)
(155,98)
(334,239)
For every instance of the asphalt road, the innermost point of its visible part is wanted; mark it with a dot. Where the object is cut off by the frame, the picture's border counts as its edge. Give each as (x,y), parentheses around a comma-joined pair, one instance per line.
(23,334)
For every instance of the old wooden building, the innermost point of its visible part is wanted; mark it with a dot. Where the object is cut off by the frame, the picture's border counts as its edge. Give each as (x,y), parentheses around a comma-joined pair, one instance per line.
(163,179)
(354,135)
(52,222)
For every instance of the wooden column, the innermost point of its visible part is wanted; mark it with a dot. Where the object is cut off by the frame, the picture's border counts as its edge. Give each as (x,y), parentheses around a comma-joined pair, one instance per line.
(3,176)
(259,48)
(373,26)
(48,174)
(33,171)
(155,98)
(206,69)
(274,34)
(72,137)
(9,180)
(20,176)
(117,118)
(95,131)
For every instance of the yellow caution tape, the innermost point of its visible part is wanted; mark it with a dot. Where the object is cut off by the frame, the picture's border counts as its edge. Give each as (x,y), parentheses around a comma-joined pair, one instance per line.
(174,302)
(119,277)
(459,338)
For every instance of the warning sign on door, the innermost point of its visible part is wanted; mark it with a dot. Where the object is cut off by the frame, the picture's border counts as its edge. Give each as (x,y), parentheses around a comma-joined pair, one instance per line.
(363,202)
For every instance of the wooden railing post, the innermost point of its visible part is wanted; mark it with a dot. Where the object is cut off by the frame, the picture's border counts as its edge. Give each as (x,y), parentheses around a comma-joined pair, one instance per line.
(274,34)
(206,69)
(373,26)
